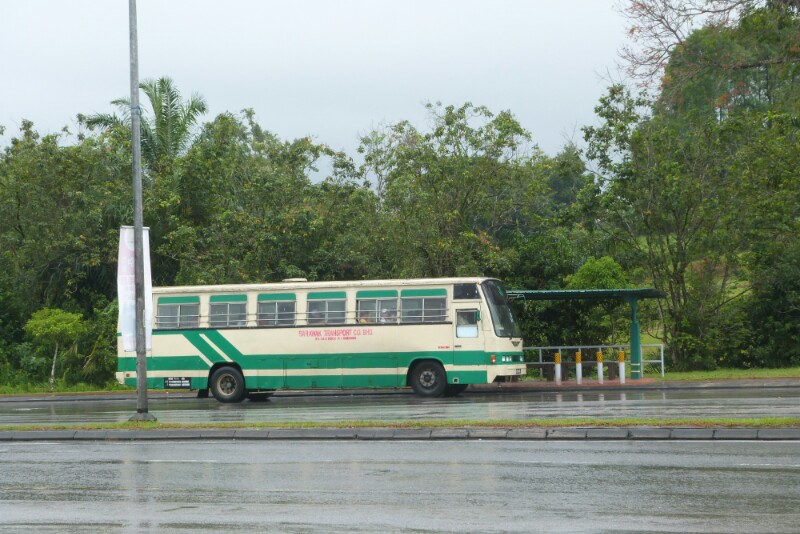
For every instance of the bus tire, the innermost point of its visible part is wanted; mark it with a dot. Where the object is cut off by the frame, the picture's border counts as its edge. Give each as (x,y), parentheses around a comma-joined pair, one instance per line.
(259,396)
(227,384)
(451,390)
(428,379)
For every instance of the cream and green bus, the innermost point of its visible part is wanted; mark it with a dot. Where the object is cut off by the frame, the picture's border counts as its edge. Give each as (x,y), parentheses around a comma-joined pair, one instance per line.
(436,336)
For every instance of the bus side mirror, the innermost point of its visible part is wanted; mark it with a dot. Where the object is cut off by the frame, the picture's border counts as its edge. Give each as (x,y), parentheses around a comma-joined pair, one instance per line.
(478,315)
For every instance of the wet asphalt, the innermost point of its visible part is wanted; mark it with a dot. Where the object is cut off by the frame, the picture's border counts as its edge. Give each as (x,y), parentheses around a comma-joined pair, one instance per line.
(786,393)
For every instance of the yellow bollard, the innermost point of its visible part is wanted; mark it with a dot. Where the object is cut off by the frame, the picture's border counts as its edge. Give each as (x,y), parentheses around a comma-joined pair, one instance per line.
(600,366)
(557,364)
(621,360)
(578,367)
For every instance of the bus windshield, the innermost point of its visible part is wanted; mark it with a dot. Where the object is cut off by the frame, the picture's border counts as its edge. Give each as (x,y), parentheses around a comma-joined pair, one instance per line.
(502,317)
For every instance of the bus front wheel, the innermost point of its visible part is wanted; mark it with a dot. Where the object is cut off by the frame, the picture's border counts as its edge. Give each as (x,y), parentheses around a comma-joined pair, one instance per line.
(428,379)
(227,385)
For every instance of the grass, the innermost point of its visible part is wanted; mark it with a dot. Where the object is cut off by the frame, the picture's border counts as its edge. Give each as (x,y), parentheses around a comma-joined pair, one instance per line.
(652,372)
(720,422)
(60,387)
(733,374)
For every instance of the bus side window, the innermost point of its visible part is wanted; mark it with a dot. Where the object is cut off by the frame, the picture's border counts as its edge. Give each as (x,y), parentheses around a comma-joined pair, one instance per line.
(377,310)
(227,314)
(276,313)
(466,323)
(367,311)
(466,292)
(178,315)
(424,310)
(326,312)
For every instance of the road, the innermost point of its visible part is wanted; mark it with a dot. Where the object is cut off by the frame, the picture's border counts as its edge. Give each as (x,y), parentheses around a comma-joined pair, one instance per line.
(590,404)
(458,486)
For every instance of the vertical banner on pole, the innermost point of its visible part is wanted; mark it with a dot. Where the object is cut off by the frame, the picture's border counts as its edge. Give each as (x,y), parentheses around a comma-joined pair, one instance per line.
(126,288)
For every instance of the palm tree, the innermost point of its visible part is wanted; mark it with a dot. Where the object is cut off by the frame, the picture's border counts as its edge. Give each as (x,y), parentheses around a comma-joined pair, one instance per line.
(168,132)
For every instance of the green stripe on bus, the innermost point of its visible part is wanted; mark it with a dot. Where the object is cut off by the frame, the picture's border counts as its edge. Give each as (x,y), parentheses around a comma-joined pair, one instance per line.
(228,298)
(177,364)
(327,295)
(276,296)
(377,294)
(179,300)
(204,348)
(423,293)
(273,362)
(223,344)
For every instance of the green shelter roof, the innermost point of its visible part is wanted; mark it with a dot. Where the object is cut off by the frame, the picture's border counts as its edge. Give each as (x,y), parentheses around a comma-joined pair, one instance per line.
(585,294)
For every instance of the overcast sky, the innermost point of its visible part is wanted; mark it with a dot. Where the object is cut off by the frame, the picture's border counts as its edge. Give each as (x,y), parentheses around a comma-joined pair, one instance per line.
(330,69)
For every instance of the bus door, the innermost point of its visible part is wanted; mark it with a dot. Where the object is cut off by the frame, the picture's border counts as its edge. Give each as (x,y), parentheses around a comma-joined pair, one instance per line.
(469,341)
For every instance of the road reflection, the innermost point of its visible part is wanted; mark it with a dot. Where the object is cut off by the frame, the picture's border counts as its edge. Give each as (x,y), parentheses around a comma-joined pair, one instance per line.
(408,486)
(404,407)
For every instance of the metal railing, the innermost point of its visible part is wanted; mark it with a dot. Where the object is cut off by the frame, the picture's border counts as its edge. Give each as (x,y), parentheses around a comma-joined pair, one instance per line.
(567,350)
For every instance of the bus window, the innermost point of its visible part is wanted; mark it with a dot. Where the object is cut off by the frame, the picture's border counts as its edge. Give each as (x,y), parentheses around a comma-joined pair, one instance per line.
(500,310)
(276,313)
(227,311)
(326,311)
(434,310)
(465,292)
(177,315)
(424,310)
(227,314)
(367,311)
(377,310)
(467,323)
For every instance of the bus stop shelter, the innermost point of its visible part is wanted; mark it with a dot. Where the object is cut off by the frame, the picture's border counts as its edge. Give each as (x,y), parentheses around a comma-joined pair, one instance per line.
(631,296)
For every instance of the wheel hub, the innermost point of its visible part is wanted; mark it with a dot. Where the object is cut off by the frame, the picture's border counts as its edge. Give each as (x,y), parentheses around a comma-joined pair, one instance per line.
(227,385)
(427,379)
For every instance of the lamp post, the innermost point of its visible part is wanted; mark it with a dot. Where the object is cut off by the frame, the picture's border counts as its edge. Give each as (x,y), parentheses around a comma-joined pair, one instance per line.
(142,413)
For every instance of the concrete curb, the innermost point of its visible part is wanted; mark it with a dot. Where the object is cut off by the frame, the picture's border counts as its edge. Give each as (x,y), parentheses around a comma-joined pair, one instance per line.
(412,434)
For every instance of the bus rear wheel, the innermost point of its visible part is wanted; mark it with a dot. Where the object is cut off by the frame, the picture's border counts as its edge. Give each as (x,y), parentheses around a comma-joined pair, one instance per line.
(227,385)
(454,389)
(259,396)
(428,379)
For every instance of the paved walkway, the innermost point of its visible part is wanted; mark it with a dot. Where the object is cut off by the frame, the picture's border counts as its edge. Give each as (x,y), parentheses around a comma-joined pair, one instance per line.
(644,383)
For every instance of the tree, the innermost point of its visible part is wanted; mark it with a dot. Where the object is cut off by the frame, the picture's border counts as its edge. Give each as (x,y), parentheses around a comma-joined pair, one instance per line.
(672,199)
(165,135)
(57,207)
(705,182)
(449,194)
(602,273)
(55,328)
(659,28)
(243,207)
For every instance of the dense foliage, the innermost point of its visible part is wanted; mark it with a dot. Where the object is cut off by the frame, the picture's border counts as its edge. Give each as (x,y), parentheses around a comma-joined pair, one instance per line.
(694,191)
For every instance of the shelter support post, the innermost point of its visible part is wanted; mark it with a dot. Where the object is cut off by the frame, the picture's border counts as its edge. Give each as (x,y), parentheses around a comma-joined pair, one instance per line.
(636,342)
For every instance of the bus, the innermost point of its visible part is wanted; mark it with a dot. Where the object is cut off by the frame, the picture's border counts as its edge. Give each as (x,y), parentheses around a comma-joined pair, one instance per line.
(436,336)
